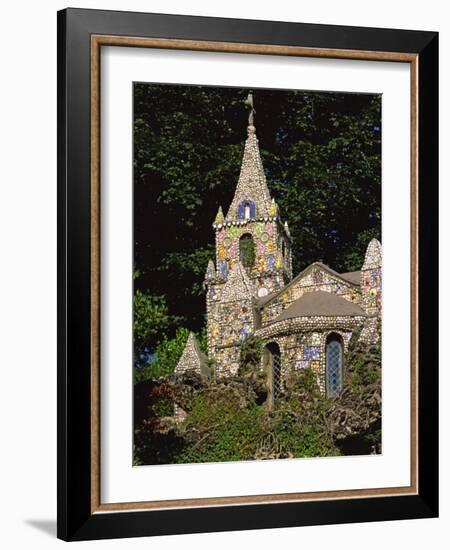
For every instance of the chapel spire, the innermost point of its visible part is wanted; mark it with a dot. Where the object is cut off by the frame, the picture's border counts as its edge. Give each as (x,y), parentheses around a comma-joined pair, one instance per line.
(251,198)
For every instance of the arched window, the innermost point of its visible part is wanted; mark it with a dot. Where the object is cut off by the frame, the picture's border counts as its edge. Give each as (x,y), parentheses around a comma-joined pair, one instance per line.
(246,210)
(334,360)
(247,250)
(272,368)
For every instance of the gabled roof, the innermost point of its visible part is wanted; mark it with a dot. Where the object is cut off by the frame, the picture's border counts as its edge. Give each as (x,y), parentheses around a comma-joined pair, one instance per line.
(320,304)
(238,285)
(252,180)
(350,278)
(353,277)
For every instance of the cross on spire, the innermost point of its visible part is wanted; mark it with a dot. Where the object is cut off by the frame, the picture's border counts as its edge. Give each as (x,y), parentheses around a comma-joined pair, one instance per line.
(252,111)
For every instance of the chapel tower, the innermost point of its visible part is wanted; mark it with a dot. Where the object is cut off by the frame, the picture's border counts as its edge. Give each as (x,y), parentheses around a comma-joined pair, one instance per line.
(252,231)
(371,289)
(253,256)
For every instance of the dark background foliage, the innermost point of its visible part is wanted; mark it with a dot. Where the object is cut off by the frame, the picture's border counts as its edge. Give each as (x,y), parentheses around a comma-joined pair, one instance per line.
(322,157)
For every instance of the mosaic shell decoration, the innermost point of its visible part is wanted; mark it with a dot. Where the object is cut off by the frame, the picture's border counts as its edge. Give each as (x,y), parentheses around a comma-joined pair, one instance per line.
(227,242)
(234,368)
(265,237)
(279,262)
(233,248)
(273,209)
(258,230)
(221,253)
(269,228)
(260,264)
(260,247)
(223,270)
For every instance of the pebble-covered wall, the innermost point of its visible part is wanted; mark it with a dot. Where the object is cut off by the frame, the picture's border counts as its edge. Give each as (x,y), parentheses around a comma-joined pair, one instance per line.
(231,318)
(371,287)
(302,340)
(307,350)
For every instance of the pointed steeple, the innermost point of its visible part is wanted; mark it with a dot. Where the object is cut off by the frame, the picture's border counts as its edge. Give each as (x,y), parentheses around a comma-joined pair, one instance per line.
(193,358)
(219,216)
(286,228)
(251,190)
(273,209)
(210,274)
(279,262)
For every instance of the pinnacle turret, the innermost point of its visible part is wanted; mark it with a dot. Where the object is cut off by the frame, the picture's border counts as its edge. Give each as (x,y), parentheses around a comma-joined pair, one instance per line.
(210,274)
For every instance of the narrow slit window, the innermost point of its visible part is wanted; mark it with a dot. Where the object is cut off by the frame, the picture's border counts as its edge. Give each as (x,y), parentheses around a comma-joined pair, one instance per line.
(247,252)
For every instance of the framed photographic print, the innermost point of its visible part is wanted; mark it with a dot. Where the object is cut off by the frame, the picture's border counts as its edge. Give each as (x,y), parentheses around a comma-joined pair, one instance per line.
(247,274)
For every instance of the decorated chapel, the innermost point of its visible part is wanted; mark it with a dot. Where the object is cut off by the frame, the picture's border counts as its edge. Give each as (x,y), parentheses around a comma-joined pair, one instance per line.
(304,321)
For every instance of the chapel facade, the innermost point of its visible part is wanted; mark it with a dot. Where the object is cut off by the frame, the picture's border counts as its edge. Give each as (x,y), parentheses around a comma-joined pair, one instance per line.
(305,321)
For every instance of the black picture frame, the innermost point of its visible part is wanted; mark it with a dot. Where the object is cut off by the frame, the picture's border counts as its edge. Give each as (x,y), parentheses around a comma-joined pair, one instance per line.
(75,518)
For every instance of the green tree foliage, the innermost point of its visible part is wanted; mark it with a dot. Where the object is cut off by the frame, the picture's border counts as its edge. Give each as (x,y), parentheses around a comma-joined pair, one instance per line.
(164,359)
(322,156)
(250,356)
(151,320)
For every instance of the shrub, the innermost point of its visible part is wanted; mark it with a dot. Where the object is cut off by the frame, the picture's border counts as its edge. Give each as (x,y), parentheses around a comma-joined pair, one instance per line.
(227,419)
(150,320)
(165,358)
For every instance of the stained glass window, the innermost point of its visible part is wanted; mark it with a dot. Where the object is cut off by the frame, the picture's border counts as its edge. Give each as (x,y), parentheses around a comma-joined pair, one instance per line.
(334,365)
(276,374)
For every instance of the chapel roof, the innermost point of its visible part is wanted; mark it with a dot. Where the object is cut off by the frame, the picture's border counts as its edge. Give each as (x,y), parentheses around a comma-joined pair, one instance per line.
(320,304)
(352,277)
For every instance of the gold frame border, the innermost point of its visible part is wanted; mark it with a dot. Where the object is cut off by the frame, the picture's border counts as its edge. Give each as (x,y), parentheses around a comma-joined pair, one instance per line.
(97,41)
